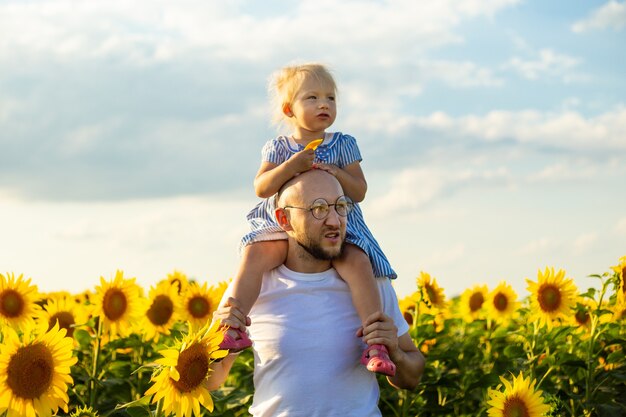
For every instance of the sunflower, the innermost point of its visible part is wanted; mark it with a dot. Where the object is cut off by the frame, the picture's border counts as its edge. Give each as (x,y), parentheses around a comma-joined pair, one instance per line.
(179,280)
(161,311)
(407,307)
(518,399)
(17,301)
(583,310)
(471,304)
(552,296)
(84,412)
(431,294)
(619,308)
(117,304)
(502,304)
(620,272)
(62,311)
(200,302)
(180,381)
(35,372)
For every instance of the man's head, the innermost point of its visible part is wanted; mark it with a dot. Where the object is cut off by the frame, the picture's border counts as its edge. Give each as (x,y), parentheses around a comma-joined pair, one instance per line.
(322,238)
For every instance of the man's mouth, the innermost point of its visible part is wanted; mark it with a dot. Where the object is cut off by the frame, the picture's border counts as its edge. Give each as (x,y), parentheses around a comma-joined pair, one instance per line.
(332,235)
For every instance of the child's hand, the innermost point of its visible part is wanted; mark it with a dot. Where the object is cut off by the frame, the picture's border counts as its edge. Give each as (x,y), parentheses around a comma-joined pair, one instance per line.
(302,161)
(330,168)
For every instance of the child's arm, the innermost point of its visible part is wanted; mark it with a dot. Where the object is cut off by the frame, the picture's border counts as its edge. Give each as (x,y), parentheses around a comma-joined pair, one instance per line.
(351,178)
(271,177)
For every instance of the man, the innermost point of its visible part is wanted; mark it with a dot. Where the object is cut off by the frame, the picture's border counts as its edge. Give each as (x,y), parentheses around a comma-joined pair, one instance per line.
(307,335)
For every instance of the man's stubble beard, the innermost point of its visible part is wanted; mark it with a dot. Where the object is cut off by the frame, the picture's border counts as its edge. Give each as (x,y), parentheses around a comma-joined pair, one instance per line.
(315,250)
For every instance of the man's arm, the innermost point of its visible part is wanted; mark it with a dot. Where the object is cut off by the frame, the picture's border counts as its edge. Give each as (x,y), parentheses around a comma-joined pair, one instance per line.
(380,329)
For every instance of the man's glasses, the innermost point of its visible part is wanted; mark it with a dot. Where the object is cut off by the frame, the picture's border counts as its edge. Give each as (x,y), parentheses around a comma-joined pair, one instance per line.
(320,207)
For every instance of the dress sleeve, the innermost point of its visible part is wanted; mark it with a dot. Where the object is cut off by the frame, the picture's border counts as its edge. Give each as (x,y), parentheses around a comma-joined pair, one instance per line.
(274,151)
(349,151)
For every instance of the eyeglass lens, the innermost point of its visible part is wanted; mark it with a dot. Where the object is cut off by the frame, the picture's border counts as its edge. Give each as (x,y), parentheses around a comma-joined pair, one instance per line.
(320,207)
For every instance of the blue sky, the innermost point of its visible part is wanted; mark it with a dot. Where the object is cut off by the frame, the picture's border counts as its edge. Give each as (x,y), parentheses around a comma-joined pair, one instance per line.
(492,133)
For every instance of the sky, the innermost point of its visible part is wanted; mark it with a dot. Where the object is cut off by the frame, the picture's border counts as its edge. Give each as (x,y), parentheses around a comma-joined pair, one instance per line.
(492,133)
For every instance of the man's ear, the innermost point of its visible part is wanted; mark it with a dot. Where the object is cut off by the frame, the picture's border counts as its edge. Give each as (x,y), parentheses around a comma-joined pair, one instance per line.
(282,219)
(287,110)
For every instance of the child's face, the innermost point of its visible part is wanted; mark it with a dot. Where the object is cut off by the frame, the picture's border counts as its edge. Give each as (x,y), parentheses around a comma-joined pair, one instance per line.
(313,108)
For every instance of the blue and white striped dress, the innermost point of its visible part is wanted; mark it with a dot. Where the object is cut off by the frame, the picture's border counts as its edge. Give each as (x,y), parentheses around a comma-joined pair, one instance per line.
(337,149)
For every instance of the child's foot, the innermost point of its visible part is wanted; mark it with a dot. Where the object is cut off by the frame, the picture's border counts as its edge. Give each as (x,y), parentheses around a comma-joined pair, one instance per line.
(235,340)
(376,358)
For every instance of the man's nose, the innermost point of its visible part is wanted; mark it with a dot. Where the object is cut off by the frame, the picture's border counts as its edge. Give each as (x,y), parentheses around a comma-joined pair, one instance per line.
(333,218)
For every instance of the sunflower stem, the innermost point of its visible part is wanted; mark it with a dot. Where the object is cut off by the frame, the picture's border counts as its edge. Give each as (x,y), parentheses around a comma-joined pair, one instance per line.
(94,365)
(159,409)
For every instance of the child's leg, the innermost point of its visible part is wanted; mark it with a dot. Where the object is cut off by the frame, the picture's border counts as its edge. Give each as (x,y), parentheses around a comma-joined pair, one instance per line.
(355,269)
(257,258)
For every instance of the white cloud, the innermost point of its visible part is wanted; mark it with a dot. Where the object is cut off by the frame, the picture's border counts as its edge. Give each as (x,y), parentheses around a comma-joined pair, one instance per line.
(141,32)
(547,63)
(611,15)
(443,257)
(412,189)
(458,74)
(566,129)
(538,246)
(583,242)
(564,171)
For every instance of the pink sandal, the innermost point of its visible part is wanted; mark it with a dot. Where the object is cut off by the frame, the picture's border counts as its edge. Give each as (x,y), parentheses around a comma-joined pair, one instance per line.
(378,362)
(235,344)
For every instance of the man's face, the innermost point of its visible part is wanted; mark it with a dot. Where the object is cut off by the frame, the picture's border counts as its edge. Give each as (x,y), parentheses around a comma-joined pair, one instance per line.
(326,245)
(323,239)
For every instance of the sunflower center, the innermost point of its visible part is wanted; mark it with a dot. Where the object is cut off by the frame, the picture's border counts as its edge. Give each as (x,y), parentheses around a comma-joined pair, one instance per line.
(11,303)
(193,366)
(500,302)
(408,315)
(114,304)
(515,407)
(624,279)
(161,310)
(582,317)
(549,297)
(432,294)
(198,306)
(476,301)
(30,370)
(65,319)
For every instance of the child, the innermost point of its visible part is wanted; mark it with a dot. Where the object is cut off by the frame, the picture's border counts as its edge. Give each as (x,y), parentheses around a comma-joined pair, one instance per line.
(305,100)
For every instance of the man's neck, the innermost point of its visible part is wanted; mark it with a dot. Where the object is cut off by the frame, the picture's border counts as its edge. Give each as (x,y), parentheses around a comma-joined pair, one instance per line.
(299,260)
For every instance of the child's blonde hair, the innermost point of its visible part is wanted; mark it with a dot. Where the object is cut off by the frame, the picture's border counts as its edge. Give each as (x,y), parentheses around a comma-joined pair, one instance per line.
(285,84)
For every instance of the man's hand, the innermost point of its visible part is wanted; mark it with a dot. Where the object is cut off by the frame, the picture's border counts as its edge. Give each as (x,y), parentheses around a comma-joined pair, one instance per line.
(230,315)
(379,329)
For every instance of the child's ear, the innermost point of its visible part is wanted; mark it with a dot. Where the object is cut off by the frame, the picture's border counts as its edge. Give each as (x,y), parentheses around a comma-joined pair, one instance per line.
(287,110)
(282,220)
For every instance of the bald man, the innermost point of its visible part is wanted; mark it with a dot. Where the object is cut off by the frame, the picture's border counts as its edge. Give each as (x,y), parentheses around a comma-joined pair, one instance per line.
(307,335)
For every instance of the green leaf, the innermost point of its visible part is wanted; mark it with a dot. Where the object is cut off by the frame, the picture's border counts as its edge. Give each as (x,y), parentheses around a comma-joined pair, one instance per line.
(138,412)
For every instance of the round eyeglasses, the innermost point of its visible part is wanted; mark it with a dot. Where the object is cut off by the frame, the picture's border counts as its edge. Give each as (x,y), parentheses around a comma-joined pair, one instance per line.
(320,207)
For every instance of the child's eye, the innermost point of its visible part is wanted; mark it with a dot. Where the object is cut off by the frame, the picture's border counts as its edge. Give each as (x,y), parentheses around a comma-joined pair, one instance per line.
(331,98)
(311,97)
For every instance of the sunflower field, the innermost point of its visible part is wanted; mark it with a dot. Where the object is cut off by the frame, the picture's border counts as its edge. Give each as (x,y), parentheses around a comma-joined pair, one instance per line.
(122,350)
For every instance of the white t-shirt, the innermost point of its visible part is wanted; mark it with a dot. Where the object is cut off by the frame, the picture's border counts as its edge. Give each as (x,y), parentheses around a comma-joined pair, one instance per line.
(306,353)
